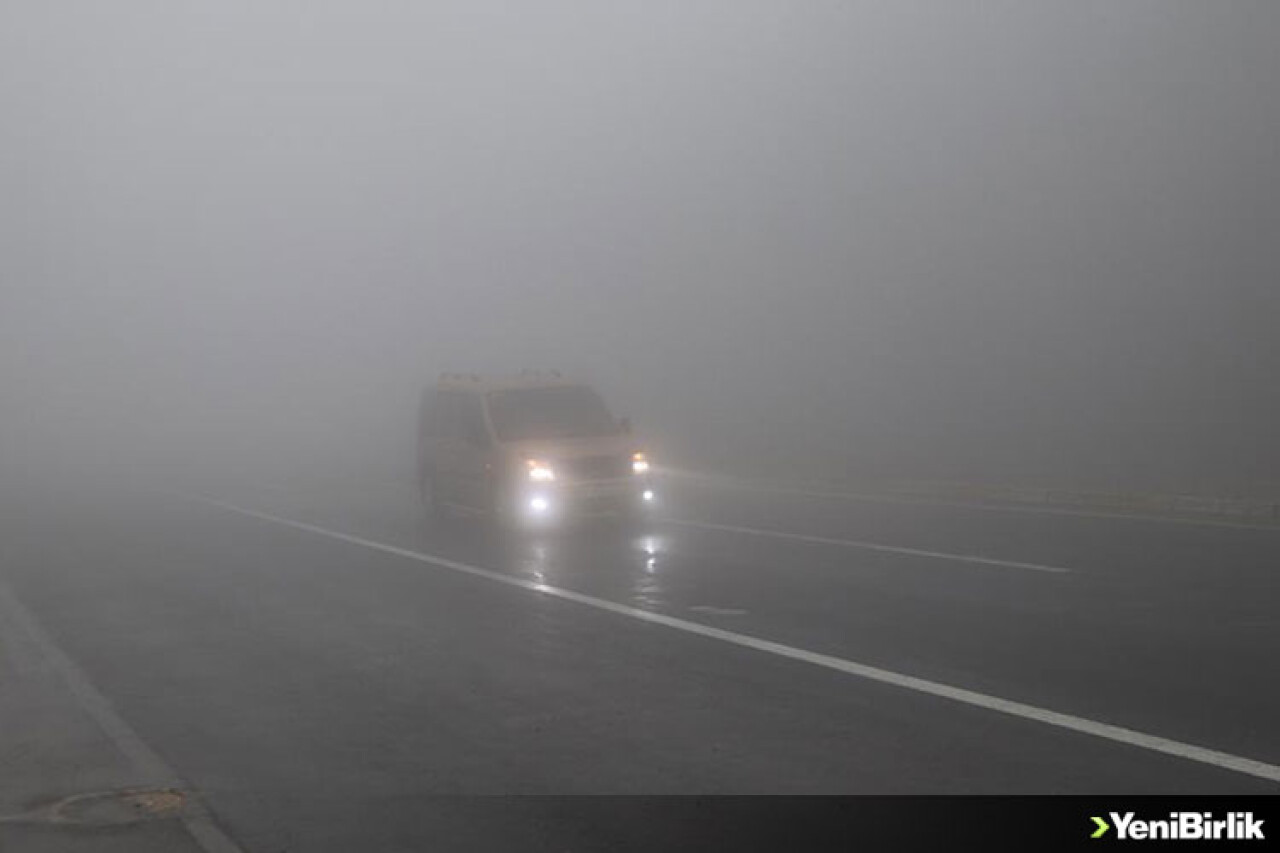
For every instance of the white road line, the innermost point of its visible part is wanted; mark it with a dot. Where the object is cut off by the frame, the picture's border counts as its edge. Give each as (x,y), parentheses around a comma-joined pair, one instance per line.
(869,546)
(717,611)
(909,500)
(148,764)
(1106,731)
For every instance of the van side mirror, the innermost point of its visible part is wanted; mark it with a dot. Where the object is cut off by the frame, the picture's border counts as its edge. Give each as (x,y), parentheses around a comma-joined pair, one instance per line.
(624,426)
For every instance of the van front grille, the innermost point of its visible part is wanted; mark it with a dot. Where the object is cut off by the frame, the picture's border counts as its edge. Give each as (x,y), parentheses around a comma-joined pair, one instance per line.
(597,467)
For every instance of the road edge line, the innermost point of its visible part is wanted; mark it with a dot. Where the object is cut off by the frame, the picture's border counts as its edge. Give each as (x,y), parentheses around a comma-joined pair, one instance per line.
(153,769)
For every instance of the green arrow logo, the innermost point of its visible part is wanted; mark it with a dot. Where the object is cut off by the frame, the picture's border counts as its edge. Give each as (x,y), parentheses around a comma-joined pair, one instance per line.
(1102,828)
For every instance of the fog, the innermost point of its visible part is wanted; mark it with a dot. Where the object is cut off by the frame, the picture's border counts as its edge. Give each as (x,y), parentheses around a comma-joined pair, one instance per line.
(1005,242)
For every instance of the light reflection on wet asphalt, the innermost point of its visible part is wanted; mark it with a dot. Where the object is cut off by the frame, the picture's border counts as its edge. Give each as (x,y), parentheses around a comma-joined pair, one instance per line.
(549,559)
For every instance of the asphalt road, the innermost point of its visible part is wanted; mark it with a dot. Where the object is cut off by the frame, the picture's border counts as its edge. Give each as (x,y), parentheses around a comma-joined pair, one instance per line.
(325,666)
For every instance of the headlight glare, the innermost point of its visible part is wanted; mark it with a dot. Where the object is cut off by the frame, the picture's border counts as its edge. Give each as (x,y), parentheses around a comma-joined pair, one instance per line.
(540,472)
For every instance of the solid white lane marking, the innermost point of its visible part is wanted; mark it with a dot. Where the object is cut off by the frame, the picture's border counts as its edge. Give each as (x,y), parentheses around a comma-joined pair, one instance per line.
(869,546)
(717,611)
(1106,731)
(908,500)
(149,765)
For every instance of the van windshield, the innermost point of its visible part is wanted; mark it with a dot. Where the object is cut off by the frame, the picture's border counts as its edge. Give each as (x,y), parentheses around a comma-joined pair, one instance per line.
(568,411)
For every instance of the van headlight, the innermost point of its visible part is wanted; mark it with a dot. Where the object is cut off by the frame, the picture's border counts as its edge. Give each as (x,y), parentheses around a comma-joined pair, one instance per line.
(639,463)
(540,472)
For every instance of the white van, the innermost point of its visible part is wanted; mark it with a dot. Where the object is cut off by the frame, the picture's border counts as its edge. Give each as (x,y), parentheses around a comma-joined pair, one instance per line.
(529,448)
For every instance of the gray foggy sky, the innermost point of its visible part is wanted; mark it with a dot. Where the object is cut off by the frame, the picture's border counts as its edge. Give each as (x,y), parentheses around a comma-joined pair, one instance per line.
(1003,240)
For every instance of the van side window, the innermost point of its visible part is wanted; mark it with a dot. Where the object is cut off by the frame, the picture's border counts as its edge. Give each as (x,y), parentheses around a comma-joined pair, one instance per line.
(447,415)
(472,421)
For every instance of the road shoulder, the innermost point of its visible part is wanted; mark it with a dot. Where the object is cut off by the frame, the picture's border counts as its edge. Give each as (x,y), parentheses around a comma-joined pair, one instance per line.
(75,777)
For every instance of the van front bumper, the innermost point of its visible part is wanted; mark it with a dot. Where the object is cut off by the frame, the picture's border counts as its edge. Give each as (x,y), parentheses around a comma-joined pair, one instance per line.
(608,497)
